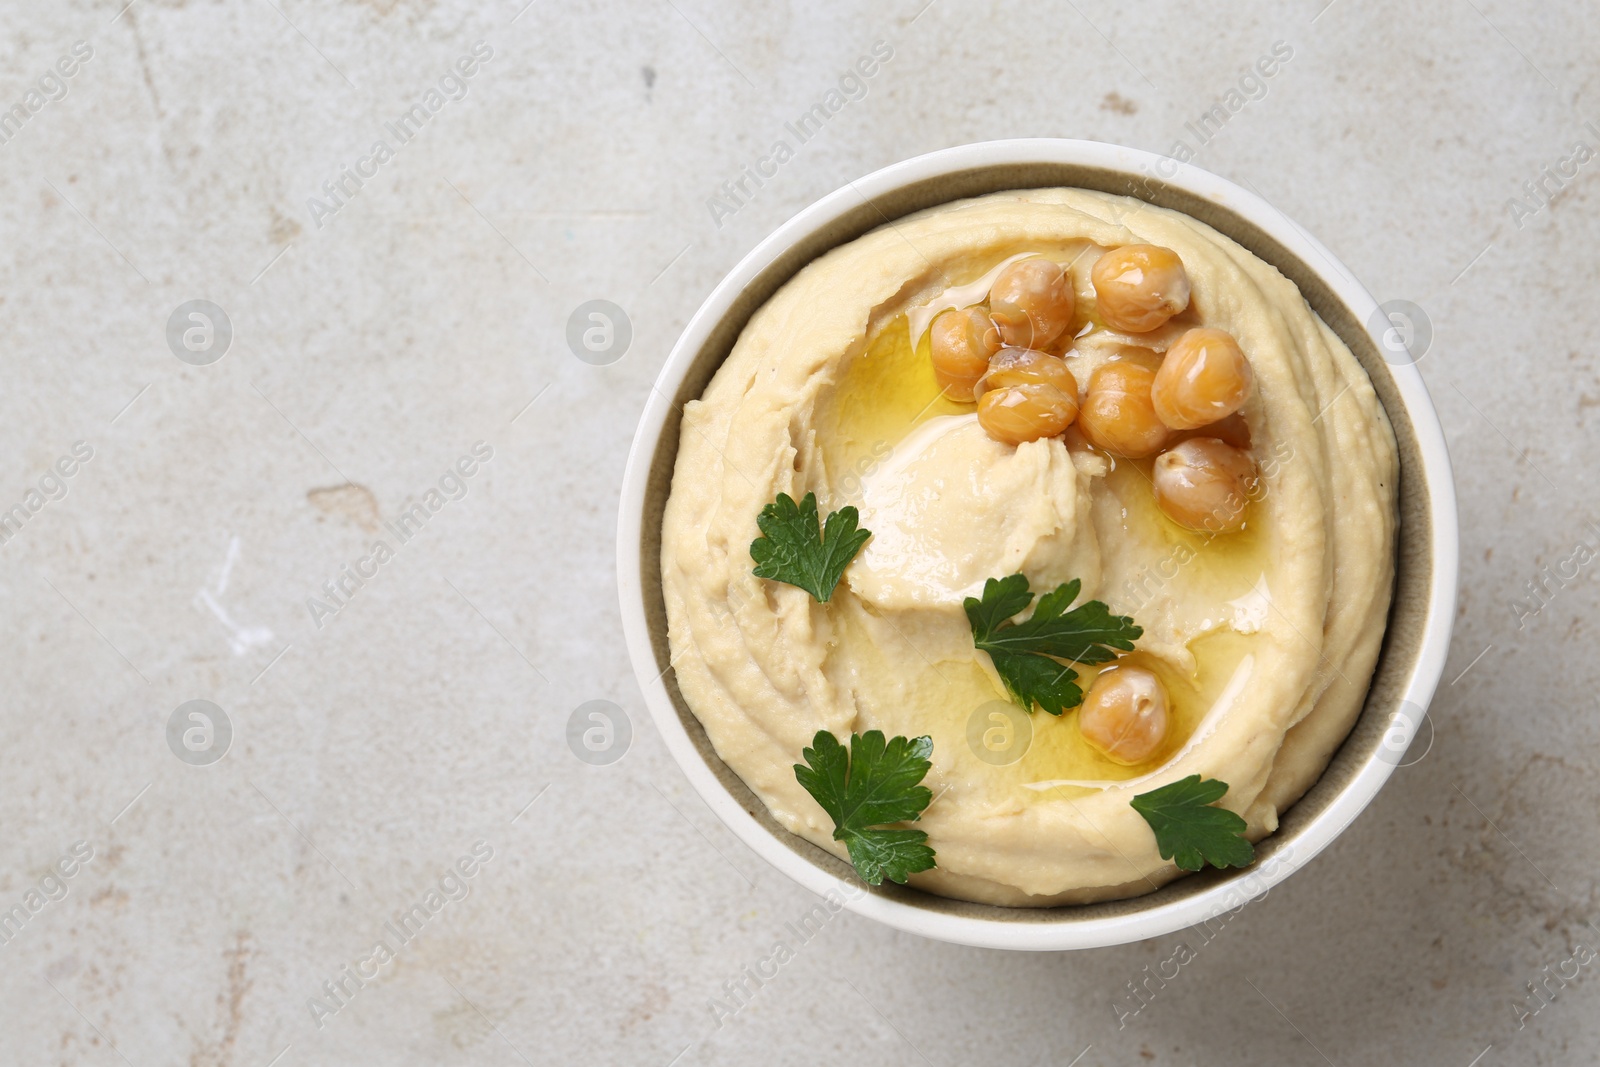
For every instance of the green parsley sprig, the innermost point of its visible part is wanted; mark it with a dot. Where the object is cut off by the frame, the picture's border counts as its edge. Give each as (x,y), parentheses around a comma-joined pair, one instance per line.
(1027,655)
(1189,830)
(875,783)
(795,548)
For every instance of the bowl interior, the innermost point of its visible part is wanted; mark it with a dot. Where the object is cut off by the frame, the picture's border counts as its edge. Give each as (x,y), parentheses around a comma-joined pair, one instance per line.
(1403,647)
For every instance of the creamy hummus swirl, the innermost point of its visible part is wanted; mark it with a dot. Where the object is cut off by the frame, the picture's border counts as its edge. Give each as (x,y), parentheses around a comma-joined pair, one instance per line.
(1268,637)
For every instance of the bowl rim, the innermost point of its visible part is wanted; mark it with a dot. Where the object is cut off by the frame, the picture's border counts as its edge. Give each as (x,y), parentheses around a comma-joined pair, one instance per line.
(1163,917)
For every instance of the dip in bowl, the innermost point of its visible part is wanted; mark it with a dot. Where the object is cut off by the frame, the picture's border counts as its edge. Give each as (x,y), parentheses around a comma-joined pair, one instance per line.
(1265,634)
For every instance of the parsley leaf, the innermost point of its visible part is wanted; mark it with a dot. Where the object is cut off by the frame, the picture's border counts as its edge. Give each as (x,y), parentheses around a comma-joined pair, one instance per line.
(790,548)
(1189,830)
(1025,654)
(875,783)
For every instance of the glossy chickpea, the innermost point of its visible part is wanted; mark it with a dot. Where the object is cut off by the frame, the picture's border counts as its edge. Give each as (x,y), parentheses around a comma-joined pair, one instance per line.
(1026,395)
(961,343)
(1204,484)
(1205,377)
(1031,302)
(1124,716)
(1117,415)
(1139,287)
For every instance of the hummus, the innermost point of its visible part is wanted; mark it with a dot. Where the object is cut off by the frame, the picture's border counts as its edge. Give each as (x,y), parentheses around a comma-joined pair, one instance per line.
(1265,638)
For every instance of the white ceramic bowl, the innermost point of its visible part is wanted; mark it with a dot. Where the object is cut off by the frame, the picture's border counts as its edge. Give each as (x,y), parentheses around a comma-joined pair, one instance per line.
(1415,644)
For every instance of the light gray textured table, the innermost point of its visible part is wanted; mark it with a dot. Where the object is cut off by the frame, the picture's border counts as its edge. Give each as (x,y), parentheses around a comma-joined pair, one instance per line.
(378,335)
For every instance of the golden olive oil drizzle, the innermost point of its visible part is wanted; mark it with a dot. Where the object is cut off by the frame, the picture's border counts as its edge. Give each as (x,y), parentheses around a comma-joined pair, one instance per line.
(888,390)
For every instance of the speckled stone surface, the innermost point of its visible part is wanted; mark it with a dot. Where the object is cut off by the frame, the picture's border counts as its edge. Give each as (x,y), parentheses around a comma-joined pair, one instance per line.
(389,736)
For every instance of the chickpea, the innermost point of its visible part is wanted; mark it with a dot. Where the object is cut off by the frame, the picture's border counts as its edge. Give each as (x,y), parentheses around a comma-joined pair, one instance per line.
(961,343)
(1031,303)
(1204,484)
(1204,378)
(1117,415)
(1124,715)
(1139,287)
(1026,395)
